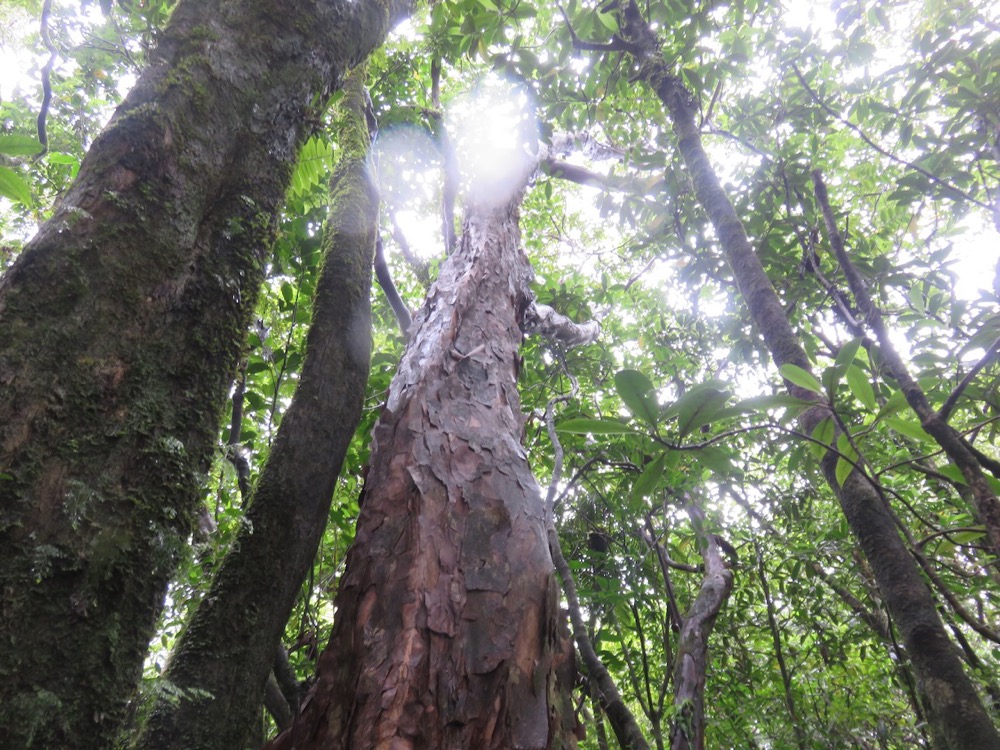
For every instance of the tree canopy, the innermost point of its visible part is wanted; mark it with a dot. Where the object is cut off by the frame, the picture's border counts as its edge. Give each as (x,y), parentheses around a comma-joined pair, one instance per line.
(784,218)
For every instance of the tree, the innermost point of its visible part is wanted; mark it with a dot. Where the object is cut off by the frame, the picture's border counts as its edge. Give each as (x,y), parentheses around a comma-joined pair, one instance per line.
(291,499)
(123,322)
(750,404)
(448,631)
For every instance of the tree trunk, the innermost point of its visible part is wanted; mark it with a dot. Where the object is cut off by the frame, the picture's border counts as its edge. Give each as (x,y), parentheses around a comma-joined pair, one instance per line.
(227,650)
(687,728)
(955,713)
(448,632)
(120,329)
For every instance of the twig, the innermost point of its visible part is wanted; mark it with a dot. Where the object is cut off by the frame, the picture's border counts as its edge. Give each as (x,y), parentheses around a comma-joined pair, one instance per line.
(888,154)
(984,499)
(43,111)
(945,411)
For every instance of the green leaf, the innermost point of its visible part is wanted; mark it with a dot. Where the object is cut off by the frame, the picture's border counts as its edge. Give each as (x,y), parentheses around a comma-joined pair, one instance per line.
(650,476)
(847,459)
(13,186)
(953,473)
(55,157)
(802,378)
(823,437)
(861,387)
(697,407)
(908,428)
(636,390)
(608,21)
(595,427)
(969,535)
(847,354)
(19,145)
(843,471)
(716,460)
(831,379)
(763,404)
(895,402)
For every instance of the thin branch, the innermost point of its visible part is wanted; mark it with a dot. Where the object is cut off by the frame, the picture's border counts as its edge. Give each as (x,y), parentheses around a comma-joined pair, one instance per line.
(888,154)
(234,449)
(399,309)
(418,266)
(985,501)
(43,110)
(622,720)
(617,44)
(991,355)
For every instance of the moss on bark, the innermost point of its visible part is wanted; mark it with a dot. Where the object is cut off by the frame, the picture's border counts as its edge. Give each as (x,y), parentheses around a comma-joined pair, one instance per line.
(120,329)
(224,656)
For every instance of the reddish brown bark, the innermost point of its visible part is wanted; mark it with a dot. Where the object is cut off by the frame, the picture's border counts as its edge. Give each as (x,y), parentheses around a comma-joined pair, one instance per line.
(447,633)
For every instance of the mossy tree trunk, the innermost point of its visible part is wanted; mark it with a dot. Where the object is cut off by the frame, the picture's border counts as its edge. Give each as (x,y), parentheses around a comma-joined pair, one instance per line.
(120,329)
(447,632)
(224,655)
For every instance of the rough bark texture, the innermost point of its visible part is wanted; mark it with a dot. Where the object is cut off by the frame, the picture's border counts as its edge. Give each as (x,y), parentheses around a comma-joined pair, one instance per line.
(447,633)
(687,729)
(228,648)
(956,712)
(120,328)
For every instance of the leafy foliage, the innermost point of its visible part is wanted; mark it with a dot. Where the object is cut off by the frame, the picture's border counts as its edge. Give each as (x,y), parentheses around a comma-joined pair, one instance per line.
(678,405)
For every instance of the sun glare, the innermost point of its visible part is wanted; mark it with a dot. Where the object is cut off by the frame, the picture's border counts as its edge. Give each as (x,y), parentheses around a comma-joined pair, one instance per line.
(495,135)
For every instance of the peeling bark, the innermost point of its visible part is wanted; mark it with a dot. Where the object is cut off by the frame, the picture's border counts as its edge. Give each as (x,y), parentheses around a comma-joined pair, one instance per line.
(448,632)
(542,320)
(121,326)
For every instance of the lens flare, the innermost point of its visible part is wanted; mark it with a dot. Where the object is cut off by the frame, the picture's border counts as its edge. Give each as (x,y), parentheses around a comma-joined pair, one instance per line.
(496,138)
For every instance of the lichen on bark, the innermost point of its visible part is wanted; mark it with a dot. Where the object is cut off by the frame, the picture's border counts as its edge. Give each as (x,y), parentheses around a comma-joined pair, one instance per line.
(224,655)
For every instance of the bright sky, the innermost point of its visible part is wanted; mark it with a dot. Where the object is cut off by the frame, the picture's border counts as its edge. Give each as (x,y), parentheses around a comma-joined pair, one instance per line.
(484,124)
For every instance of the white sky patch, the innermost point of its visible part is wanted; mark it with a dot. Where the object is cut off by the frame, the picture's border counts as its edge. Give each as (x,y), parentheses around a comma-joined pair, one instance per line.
(816,15)
(423,232)
(977,253)
(495,135)
(13,64)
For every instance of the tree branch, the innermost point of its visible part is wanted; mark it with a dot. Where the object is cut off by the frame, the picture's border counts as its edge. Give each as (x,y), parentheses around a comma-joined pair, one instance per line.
(888,154)
(399,309)
(985,501)
(991,355)
(544,321)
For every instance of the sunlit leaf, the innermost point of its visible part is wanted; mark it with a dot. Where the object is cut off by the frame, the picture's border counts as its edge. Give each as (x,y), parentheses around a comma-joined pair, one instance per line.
(650,476)
(19,145)
(822,437)
(908,428)
(636,390)
(861,387)
(802,378)
(697,407)
(13,186)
